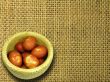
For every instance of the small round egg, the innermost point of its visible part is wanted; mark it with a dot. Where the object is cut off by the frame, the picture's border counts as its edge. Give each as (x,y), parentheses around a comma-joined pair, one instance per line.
(29,43)
(15,58)
(19,47)
(31,61)
(40,51)
(25,54)
(41,61)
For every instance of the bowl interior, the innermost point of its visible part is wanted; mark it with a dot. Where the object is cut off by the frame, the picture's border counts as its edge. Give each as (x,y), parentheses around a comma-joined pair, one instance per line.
(10,45)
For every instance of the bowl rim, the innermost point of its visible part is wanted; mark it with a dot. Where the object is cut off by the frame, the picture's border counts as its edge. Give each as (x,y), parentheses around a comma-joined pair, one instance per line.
(46,63)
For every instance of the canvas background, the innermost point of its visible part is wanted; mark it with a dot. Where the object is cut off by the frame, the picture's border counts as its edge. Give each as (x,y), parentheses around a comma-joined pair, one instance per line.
(78,29)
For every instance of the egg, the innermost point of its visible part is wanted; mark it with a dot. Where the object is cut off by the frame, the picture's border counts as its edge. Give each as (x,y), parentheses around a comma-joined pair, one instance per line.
(25,54)
(41,61)
(29,43)
(19,47)
(15,58)
(31,61)
(40,51)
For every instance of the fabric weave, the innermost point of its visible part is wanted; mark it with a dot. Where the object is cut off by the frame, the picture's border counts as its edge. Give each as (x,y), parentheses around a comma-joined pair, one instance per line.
(78,29)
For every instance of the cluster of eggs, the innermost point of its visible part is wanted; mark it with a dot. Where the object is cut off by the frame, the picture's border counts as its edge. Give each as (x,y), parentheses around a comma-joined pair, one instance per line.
(27,53)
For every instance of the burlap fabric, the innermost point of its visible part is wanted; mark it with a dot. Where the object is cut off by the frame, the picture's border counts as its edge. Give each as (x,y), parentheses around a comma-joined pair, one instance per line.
(78,29)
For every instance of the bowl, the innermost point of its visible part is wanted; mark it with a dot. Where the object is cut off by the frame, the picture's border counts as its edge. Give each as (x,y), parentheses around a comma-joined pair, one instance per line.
(26,73)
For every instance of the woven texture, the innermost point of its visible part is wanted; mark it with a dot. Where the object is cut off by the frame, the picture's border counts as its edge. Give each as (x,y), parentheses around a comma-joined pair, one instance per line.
(78,29)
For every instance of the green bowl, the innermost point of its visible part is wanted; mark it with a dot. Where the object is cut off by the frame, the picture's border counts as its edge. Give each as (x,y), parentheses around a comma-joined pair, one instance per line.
(27,73)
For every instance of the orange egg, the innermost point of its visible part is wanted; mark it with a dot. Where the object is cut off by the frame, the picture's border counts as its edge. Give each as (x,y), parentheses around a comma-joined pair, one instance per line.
(41,61)
(15,58)
(39,51)
(25,54)
(29,43)
(19,47)
(31,61)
